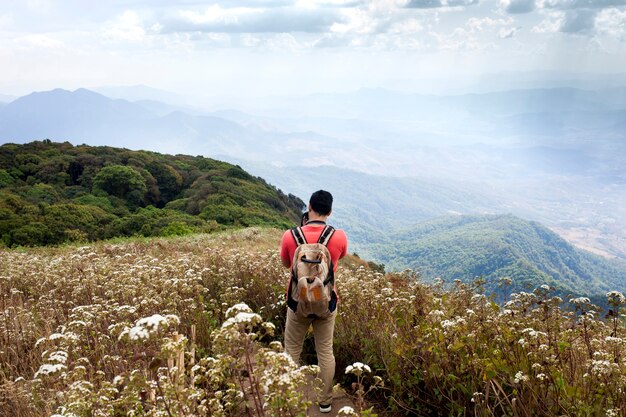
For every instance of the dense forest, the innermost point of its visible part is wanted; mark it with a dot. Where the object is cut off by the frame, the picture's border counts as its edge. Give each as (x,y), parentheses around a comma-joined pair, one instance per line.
(495,247)
(51,193)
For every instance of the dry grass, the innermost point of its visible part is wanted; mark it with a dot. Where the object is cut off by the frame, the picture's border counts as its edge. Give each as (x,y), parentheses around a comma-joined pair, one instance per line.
(158,327)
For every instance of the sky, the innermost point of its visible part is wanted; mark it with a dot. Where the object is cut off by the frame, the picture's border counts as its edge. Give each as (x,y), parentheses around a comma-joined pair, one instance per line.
(279,47)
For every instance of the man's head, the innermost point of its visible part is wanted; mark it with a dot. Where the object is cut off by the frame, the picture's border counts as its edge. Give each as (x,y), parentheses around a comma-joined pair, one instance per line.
(321,202)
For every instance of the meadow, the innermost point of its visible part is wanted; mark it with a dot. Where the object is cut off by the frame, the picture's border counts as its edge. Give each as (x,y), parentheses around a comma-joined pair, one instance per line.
(191,326)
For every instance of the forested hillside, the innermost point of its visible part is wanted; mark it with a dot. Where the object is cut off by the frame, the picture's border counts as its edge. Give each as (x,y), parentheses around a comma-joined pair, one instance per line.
(52,193)
(494,247)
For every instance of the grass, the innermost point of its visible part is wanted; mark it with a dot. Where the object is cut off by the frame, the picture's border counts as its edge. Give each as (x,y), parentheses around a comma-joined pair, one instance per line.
(191,326)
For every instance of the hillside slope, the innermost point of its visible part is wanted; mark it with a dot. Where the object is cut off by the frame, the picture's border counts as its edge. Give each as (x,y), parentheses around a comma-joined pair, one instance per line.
(463,247)
(55,192)
(98,329)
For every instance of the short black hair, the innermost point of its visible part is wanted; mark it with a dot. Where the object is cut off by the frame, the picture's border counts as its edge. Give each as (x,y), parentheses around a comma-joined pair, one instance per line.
(321,202)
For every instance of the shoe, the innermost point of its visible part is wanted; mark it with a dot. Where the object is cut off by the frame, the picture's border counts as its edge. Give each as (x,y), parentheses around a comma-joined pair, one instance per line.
(325,408)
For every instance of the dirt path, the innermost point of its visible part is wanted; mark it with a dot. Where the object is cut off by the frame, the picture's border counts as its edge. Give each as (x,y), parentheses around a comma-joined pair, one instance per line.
(340,399)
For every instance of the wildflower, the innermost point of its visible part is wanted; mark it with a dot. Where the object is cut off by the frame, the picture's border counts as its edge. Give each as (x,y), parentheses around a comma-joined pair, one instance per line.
(477,397)
(238,308)
(520,377)
(242,318)
(357,368)
(48,369)
(616,298)
(580,301)
(436,313)
(58,357)
(347,411)
(541,377)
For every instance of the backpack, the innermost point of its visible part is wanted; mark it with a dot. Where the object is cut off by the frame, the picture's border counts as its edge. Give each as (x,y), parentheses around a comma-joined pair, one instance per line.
(311,291)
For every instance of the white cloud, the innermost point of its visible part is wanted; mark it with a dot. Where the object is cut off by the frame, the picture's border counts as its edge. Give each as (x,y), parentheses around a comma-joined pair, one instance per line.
(551,24)
(39,6)
(432,4)
(579,21)
(38,41)
(612,22)
(356,21)
(580,4)
(507,33)
(407,26)
(127,27)
(518,6)
(481,24)
(253,20)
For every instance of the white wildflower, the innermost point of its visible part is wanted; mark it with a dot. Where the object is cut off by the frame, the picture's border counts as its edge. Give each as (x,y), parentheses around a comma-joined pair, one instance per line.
(238,308)
(580,301)
(48,369)
(520,377)
(616,298)
(347,411)
(357,368)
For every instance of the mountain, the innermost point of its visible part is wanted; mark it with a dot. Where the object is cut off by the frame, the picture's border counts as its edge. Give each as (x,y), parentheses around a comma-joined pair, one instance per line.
(561,164)
(52,193)
(86,116)
(139,92)
(497,246)
(374,208)
(83,116)
(6,99)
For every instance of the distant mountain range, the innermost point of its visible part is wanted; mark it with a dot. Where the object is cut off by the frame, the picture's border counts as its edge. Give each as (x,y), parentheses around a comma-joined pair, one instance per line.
(493,247)
(83,116)
(555,155)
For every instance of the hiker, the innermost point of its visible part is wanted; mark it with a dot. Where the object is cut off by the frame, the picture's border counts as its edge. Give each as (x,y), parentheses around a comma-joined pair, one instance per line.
(311,296)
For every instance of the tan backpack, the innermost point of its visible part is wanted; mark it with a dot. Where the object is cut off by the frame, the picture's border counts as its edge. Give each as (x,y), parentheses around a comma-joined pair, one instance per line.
(311,291)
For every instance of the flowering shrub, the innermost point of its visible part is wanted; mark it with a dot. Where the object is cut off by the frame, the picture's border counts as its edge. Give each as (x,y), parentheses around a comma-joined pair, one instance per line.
(191,326)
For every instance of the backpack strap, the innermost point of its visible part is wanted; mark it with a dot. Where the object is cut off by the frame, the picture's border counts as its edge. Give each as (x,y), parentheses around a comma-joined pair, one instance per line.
(298,236)
(327,233)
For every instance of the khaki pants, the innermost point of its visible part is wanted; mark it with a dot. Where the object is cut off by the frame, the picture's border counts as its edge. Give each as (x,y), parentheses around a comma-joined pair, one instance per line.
(295,331)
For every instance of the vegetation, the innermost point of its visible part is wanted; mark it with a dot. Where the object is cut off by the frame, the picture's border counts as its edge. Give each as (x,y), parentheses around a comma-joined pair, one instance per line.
(492,247)
(158,327)
(52,193)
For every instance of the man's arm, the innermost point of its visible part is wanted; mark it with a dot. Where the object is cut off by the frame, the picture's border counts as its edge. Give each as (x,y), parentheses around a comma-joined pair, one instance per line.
(284,249)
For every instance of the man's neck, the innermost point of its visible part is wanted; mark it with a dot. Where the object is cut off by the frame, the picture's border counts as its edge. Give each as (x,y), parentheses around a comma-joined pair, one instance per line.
(315,218)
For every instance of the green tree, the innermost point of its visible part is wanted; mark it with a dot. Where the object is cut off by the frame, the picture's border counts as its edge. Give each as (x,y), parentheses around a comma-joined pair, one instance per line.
(123,182)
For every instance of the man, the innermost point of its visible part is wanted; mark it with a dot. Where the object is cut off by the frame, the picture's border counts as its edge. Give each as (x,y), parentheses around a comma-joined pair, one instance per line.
(296,328)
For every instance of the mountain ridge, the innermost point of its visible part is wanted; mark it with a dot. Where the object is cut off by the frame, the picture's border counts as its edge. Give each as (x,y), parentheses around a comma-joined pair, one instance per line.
(52,193)
(498,246)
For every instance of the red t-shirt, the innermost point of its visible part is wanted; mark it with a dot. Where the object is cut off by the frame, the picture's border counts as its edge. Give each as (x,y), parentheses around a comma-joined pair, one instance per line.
(337,246)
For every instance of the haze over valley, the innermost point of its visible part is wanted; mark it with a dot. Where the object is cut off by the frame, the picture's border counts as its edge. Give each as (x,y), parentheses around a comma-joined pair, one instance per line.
(554,155)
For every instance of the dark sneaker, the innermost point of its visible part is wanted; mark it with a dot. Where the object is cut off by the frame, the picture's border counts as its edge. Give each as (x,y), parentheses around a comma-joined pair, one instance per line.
(325,408)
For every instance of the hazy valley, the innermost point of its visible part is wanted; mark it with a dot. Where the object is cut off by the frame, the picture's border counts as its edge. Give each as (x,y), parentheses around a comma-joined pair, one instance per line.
(392,160)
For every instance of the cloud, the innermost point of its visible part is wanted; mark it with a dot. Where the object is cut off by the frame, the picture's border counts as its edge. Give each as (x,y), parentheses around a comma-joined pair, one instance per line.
(432,4)
(507,33)
(518,6)
(252,20)
(127,27)
(578,21)
(37,41)
(612,22)
(581,4)
(481,24)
